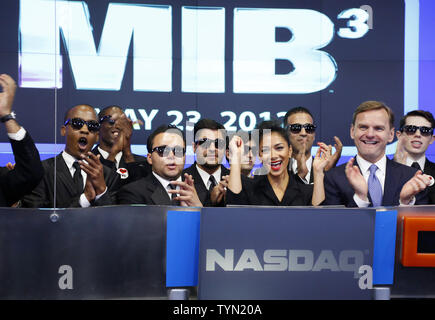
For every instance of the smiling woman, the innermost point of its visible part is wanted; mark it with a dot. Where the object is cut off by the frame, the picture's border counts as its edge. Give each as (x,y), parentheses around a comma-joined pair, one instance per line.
(279,186)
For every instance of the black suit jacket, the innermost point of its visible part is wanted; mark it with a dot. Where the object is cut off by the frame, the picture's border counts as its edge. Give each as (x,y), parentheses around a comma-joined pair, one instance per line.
(146,190)
(138,169)
(338,190)
(201,188)
(258,191)
(429,168)
(66,194)
(25,176)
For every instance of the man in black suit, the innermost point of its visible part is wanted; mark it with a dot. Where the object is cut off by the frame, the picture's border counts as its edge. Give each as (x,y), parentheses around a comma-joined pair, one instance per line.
(28,170)
(115,145)
(210,141)
(413,138)
(301,130)
(81,179)
(164,186)
(374,180)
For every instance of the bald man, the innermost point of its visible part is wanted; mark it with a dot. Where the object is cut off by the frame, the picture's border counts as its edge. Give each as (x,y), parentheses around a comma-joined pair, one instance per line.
(81,179)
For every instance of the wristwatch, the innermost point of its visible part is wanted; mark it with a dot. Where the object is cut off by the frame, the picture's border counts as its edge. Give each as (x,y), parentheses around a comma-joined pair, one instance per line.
(8,117)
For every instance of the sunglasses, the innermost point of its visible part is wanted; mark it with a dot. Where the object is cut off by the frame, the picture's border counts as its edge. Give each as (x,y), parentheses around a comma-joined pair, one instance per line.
(107,118)
(297,127)
(424,131)
(246,150)
(206,143)
(164,151)
(77,124)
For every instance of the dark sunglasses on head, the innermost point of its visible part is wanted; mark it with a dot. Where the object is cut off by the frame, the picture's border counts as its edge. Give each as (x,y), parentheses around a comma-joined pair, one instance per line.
(164,151)
(77,124)
(297,127)
(107,118)
(424,131)
(206,143)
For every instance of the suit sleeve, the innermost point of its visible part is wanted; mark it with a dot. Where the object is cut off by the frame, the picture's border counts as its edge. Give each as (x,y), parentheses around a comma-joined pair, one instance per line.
(27,173)
(128,195)
(242,198)
(334,185)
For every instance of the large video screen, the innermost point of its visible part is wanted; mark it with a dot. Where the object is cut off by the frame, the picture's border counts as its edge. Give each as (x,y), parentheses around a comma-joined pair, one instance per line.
(238,62)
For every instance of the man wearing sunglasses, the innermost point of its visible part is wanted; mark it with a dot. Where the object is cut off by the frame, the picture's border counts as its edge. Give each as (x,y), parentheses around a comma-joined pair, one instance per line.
(81,179)
(371,179)
(413,139)
(15,181)
(115,145)
(302,133)
(164,186)
(210,141)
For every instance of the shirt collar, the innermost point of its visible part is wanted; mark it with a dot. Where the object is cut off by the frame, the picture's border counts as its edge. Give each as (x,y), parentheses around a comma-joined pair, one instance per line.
(205,176)
(105,155)
(69,159)
(364,165)
(163,181)
(421,161)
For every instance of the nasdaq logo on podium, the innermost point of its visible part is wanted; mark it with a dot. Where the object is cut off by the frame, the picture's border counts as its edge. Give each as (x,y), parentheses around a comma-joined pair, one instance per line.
(285,260)
(275,50)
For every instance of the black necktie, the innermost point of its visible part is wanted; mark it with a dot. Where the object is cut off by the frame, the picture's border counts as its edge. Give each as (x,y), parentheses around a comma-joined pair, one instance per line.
(173,195)
(416,165)
(213,183)
(78,178)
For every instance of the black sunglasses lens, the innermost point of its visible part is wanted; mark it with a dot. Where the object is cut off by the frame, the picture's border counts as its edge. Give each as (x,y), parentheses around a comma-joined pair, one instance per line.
(205,143)
(77,123)
(165,151)
(178,152)
(410,129)
(426,131)
(93,126)
(310,128)
(295,128)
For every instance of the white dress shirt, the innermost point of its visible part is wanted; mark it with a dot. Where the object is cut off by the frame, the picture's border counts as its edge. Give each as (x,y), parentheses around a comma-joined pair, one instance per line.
(309,164)
(17,136)
(205,176)
(105,155)
(364,166)
(165,183)
(421,162)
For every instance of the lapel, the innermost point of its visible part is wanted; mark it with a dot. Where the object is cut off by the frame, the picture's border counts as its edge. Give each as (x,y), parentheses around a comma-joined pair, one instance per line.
(63,177)
(429,167)
(159,195)
(265,187)
(390,185)
(201,188)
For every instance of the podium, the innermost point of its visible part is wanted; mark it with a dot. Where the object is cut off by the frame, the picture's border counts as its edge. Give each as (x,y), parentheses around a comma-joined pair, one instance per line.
(160,252)
(285,253)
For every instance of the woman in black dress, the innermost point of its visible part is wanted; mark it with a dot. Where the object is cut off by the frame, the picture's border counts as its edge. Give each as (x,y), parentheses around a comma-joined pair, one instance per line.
(278,187)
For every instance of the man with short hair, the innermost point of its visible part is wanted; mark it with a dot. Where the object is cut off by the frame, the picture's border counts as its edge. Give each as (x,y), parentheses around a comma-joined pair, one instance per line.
(210,141)
(301,129)
(249,153)
(165,185)
(371,179)
(16,180)
(413,138)
(115,145)
(81,179)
